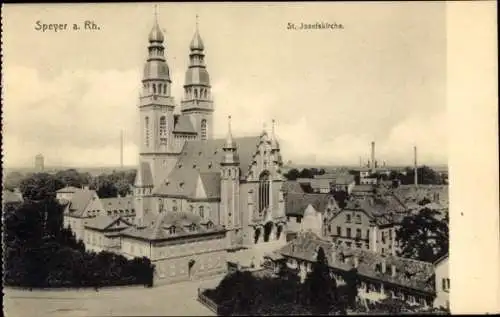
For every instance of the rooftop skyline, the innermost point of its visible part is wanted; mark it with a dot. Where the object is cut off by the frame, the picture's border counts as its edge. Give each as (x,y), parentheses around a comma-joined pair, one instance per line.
(382,78)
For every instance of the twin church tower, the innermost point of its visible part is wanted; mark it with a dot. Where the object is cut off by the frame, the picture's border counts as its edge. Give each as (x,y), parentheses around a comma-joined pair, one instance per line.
(163,133)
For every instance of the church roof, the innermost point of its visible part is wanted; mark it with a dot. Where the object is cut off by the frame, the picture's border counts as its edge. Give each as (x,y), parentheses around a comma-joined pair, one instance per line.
(290,187)
(118,203)
(206,155)
(183,124)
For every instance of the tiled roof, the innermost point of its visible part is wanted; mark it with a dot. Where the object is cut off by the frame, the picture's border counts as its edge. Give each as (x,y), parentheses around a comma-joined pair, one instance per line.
(409,273)
(159,228)
(383,210)
(290,187)
(11,197)
(183,125)
(80,201)
(296,203)
(211,184)
(118,203)
(144,176)
(68,189)
(363,188)
(206,155)
(102,222)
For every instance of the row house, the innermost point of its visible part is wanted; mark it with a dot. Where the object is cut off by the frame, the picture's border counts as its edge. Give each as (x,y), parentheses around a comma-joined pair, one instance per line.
(380,276)
(368,223)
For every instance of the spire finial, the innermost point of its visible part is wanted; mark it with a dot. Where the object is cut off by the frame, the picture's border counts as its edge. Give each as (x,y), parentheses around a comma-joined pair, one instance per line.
(273,123)
(156,13)
(229,123)
(196,21)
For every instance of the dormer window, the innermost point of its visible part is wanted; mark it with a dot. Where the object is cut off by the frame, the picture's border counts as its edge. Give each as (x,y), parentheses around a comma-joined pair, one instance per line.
(172,230)
(209,224)
(210,165)
(194,165)
(192,227)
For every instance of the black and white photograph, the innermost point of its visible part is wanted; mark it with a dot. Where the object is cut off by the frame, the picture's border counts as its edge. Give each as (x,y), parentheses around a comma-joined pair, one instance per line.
(217,159)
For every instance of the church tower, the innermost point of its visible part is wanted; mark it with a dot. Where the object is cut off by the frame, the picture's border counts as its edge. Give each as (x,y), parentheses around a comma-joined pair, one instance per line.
(230,186)
(197,101)
(156,108)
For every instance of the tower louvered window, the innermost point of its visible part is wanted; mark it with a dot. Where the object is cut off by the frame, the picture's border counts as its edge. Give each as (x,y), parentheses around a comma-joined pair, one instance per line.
(203,129)
(146,130)
(163,128)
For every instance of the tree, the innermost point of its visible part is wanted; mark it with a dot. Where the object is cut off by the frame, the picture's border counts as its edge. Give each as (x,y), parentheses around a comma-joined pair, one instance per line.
(306,173)
(292,174)
(320,287)
(341,197)
(13,180)
(423,236)
(40,186)
(72,177)
(352,280)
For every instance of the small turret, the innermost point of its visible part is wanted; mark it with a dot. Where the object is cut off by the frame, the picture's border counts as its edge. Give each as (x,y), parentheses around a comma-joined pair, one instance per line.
(230,150)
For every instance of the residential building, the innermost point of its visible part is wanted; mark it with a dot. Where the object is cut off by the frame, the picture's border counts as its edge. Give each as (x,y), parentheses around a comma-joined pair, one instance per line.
(325,183)
(102,233)
(368,223)
(84,204)
(11,199)
(442,282)
(380,276)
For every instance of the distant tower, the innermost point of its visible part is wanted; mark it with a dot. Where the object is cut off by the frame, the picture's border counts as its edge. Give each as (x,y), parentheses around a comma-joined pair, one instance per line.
(230,184)
(197,101)
(415,165)
(39,163)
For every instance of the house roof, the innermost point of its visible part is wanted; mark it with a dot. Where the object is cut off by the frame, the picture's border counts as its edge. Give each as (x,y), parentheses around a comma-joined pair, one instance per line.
(183,124)
(409,273)
(383,210)
(81,199)
(103,222)
(337,178)
(11,197)
(441,259)
(118,203)
(68,189)
(363,188)
(159,229)
(296,203)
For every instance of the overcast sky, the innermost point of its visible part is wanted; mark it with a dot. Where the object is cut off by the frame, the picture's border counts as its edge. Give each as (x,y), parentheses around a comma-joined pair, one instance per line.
(382,78)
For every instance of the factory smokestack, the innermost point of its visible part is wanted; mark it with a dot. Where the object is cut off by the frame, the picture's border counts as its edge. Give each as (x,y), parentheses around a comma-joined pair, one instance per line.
(415,165)
(373,158)
(121,148)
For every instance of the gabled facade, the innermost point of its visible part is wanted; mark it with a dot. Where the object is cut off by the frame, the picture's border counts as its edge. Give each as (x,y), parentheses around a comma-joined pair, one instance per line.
(102,233)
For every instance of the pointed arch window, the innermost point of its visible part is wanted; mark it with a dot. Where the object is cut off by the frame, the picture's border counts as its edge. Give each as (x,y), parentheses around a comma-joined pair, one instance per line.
(164,89)
(146,130)
(196,93)
(154,89)
(163,127)
(203,129)
(263,191)
(202,211)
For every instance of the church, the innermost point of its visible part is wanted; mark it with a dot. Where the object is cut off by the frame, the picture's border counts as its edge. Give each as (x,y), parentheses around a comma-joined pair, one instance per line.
(236,183)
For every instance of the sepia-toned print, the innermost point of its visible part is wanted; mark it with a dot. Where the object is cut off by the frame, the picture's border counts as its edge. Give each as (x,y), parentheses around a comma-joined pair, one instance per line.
(225,159)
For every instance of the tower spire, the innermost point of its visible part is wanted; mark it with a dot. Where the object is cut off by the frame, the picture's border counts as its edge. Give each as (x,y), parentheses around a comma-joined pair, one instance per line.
(230,151)
(229,138)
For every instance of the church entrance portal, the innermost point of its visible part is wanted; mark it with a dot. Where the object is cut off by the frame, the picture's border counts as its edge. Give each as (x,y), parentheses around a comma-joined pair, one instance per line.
(267,231)
(257,235)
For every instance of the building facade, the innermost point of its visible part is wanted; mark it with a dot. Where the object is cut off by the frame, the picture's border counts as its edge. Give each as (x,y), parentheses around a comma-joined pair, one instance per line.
(380,277)
(84,205)
(234,182)
(442,283)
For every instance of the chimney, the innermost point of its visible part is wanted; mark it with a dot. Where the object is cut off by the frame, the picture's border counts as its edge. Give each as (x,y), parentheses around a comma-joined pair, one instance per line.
(415,165)
(121,148)
(373,157)
(393,270)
